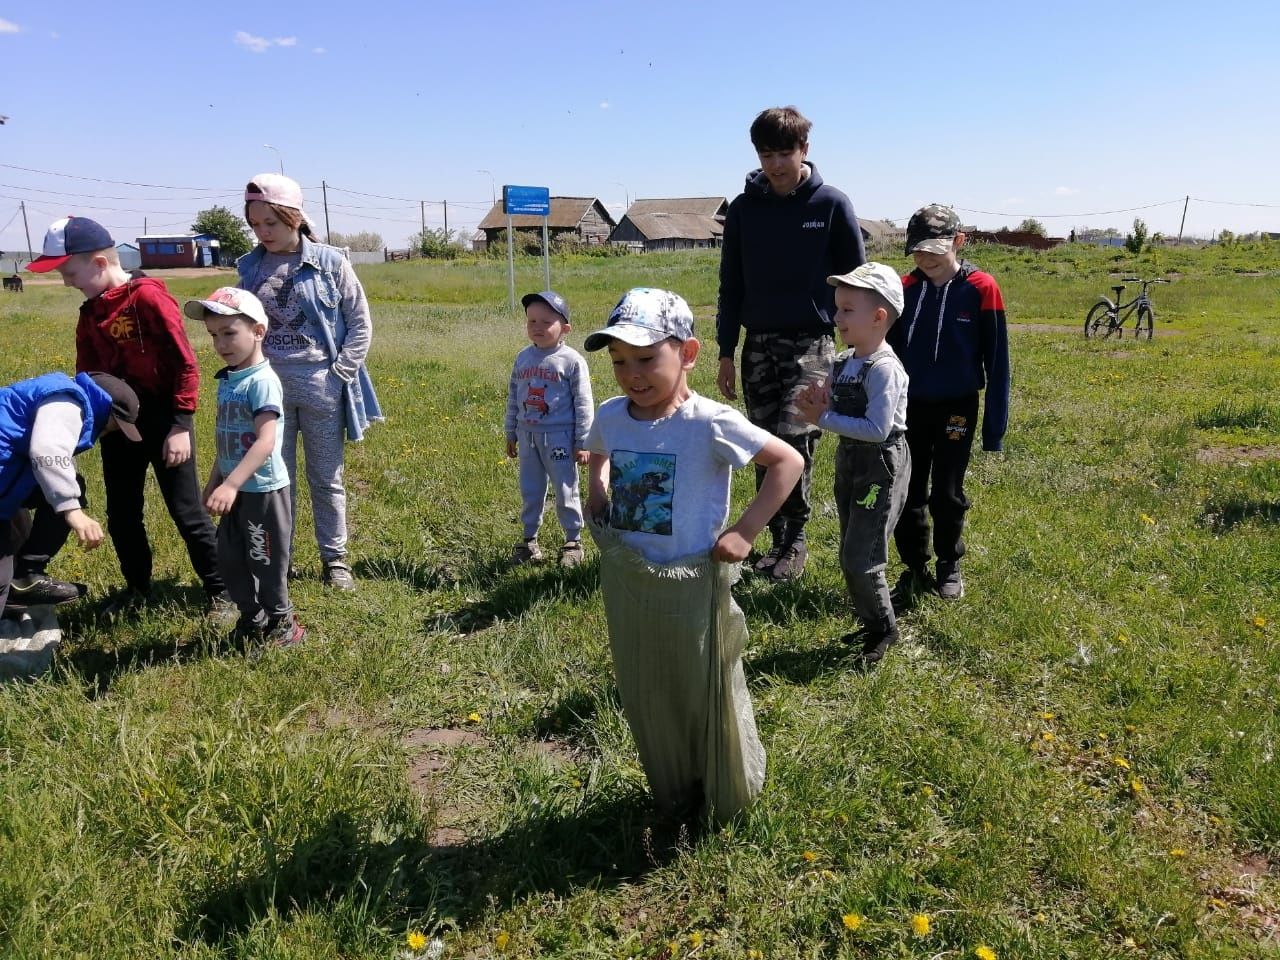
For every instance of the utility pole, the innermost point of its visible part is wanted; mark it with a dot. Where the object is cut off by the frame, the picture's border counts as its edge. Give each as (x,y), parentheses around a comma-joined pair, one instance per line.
(324,190)
(446,217)
(1184,216)
(23,205)
(422,212)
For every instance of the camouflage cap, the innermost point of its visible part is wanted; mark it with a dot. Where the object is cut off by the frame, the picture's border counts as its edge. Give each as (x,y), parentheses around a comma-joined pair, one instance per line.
(883,279)
(932,229)
(645,316)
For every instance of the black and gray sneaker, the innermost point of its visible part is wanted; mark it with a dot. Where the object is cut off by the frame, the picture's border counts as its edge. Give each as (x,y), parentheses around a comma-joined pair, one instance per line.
(285,632)
(790,563)
(337,576)
(38,589)
(219,608)
(571,554)
(526,551)
(950,583)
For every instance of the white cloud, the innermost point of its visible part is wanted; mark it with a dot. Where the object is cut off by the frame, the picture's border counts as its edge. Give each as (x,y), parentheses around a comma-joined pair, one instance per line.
(250,42)
(257,44)
(604,104)
(319,50)
(1066,191)
(7,27)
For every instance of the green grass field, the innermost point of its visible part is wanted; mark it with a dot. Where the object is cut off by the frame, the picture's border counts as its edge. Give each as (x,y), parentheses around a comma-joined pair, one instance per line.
(1075,761)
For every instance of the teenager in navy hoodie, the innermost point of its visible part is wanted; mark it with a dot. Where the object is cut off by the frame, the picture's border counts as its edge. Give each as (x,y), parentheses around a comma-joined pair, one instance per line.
(783,236)
(953,342)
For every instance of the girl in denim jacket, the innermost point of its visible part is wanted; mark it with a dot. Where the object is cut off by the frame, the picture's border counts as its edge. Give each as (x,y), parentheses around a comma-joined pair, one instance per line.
(317,341)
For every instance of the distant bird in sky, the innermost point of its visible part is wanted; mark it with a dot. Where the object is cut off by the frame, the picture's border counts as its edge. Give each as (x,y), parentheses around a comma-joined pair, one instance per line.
(3,118)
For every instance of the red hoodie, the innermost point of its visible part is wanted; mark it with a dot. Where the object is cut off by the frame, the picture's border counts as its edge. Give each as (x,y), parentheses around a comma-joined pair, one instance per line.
(135,332)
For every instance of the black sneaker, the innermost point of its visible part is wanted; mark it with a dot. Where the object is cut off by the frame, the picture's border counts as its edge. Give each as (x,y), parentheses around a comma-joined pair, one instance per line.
(950,583)
(249,629)
(526,551)
(911,586)
(875,644)
(38,589)
(337,576)
(121,602)
(790,564)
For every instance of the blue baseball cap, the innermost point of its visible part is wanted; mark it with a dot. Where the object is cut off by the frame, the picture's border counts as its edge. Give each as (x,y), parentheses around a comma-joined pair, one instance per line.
(66,238)
(551,299)
(645,316)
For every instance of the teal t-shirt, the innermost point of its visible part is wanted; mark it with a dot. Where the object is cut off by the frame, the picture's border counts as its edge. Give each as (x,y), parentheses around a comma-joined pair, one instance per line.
(242,395)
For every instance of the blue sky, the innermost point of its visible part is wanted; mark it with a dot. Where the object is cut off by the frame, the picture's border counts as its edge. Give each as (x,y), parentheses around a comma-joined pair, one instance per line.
(1061,111)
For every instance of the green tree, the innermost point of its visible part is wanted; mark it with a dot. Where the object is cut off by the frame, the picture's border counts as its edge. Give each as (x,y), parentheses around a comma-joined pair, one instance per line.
(436,244)
(228,229)
(1136,240)
(1031,225)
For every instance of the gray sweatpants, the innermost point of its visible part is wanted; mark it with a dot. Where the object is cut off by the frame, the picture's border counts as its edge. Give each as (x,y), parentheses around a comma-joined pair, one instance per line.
(313,407)
(253,552)
(546,456)
(870,488)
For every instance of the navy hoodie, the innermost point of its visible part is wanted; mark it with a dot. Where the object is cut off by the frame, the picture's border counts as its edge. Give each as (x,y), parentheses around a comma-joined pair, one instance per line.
(777,254)
(953,341)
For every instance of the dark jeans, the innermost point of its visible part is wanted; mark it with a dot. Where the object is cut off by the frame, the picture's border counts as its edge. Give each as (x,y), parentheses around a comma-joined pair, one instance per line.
(42,534)
(870,489)
(124,472)
(253,546)
(940,437)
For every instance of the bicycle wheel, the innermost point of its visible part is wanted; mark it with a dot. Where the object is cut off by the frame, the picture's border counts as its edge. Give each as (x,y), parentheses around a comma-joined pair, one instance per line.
(1146,322)
(1100,321)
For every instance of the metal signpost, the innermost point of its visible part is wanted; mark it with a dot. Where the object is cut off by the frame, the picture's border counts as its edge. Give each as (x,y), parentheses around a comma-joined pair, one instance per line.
(526,201)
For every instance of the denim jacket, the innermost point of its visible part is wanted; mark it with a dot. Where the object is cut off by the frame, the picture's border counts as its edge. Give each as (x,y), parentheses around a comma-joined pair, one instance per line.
(317,286)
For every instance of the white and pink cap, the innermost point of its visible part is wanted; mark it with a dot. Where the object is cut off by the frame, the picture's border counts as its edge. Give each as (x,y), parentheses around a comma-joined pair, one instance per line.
(274,188)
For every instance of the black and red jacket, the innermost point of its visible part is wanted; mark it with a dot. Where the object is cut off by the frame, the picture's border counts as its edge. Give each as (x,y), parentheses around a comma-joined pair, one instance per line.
(953,341)
(135,332)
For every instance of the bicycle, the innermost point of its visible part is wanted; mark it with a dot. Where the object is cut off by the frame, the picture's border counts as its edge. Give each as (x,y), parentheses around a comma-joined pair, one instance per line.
(1104,317)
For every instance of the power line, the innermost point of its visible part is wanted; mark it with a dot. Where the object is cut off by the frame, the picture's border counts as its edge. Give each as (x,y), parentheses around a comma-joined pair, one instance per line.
(100,196)
(1234,203)
(1048,216)
(122,183)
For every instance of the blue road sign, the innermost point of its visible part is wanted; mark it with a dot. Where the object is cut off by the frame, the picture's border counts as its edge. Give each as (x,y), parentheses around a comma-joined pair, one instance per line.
(534,201)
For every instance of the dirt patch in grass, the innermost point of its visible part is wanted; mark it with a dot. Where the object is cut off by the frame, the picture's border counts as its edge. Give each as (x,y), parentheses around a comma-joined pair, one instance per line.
(429,746)
(1078,329)
(1238,454)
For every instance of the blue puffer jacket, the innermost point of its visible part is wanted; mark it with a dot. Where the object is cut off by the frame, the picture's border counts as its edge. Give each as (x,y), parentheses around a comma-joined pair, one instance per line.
(18,404)
(317,290)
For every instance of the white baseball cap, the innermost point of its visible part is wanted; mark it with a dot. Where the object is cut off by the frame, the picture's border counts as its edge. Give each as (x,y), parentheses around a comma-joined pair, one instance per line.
(227,302)
(879,277)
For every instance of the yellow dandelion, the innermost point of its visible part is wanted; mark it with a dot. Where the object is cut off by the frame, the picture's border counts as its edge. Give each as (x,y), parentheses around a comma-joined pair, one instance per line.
(927,791)
(473,718)
(754,954)
(672,948)
(1177,852)
(1040,918)
(826,875)
(920,924)
(1130,728)
(1047,736)
(1120,762)
(1122,639)
(851,921)
(1103,735)
(695,940)
(1047,715)
(1148,519)
(984,953)
(809,856)
(1259,622)
(502,939)
(1136,785)
(576,784)
(1218,903)
(416,940)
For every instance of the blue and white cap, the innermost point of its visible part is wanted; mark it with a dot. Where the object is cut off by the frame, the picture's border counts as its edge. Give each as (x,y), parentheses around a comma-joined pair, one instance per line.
(551,299)
(645,316)
(66,238)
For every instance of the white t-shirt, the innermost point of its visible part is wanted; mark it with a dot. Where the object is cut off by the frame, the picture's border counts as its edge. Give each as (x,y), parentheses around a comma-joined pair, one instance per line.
(669,478)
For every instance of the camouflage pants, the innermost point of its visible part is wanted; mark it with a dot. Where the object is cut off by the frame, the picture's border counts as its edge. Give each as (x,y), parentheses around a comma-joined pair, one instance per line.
(775,368)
